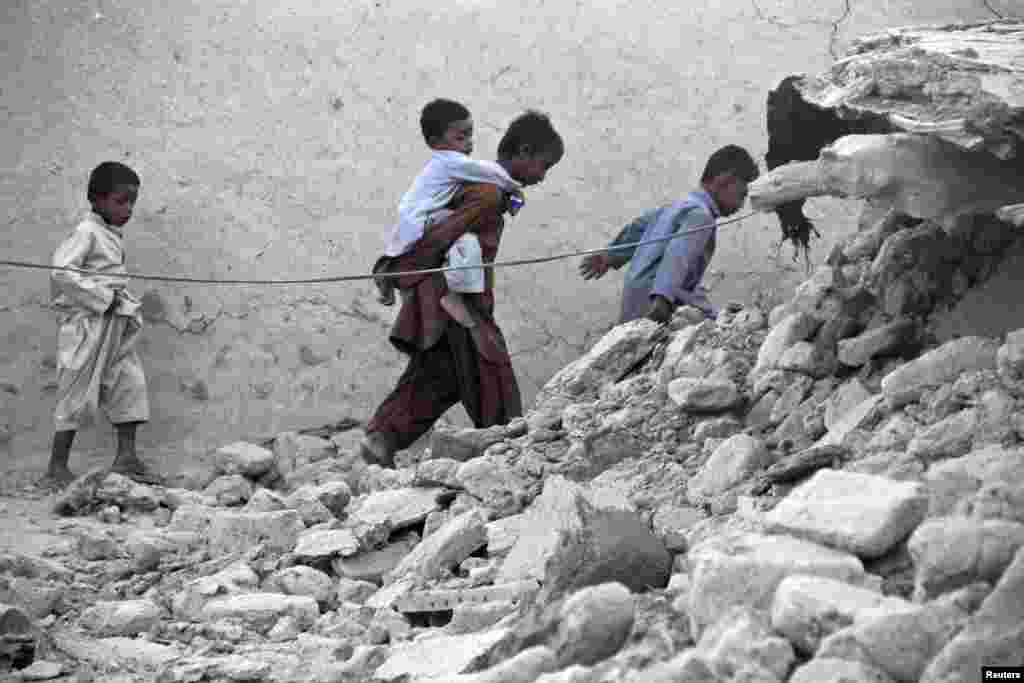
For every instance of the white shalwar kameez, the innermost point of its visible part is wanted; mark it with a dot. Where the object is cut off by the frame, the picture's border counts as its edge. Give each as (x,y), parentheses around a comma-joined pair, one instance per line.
(97,364)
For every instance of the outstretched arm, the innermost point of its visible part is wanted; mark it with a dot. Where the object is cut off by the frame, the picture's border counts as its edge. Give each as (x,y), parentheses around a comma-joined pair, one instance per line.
(596,265)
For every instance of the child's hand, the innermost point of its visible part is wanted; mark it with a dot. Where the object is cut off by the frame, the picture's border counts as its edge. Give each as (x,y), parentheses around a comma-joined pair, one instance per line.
(660,310)
(594,266)
(114,302)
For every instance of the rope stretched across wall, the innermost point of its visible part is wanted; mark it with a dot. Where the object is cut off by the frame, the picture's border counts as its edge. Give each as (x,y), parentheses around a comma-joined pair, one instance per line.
(349,278)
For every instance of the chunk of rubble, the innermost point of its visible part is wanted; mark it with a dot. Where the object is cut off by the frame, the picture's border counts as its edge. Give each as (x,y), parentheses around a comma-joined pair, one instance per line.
(741,646)
(903,642)
(305,501)
(301,580)
(746,569)
(229,490)
(806,609)
(950,552)
(464,444)
(374,565)
(17,638)
(833,670)
(238,577)
(326,544)
(994,635)
(261,611)
(860,513)
(438,658)
(399,508)
(732,462)
(703,395)
(446,548)
(120,618)
(566,541)
(939,366)
(243,458)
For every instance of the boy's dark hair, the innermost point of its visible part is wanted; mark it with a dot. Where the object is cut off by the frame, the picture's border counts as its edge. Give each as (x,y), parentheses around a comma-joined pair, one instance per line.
(731,160)
(437,115)
(106,177)
(534,129)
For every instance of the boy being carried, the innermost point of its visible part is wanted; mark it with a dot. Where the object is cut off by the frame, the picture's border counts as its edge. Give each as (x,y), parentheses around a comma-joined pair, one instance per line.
(448,129)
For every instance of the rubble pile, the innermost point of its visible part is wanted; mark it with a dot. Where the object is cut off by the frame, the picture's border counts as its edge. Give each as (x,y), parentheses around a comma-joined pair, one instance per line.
(820,492)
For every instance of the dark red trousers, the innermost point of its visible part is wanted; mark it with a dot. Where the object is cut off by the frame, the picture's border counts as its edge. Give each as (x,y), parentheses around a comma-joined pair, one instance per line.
(449,372)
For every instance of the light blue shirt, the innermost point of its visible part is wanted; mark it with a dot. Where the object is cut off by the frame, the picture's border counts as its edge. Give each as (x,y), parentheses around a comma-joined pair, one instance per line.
(675,268)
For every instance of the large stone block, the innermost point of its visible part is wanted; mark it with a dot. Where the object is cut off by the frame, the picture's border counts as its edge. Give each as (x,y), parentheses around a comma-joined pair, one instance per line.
(950,552)
(746,568)
(939,366)
(261,611)
(567,541)
(244,458)
(445,548)
(733,461)
(859,513)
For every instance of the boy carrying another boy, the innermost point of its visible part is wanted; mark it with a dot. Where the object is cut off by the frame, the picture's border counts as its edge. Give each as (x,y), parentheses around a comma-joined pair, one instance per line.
(451,363)
(447,128)
(98,325)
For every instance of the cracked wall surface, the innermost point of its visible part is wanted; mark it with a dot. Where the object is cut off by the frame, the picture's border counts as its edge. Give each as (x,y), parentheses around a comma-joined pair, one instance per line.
(275,138)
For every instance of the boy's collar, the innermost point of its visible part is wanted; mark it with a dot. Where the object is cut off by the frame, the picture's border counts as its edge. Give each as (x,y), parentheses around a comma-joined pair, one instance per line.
(102,221)
(707,200)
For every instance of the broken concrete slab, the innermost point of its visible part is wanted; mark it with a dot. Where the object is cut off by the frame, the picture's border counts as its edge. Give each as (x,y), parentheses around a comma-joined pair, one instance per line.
(939,366)
(445,548)
(860,513)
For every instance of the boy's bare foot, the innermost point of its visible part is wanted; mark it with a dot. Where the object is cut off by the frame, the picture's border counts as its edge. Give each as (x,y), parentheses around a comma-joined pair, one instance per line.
(136,470)
(56,479)
(455,306)
(385,292)
(374,449)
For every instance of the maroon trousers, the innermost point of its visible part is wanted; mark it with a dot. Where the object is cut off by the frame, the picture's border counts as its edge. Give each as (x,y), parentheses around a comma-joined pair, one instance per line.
(450,371)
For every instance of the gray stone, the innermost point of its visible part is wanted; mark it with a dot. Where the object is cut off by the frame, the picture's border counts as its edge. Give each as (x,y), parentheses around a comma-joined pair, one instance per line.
(806,609)
(437,472)
(491,479)
(305,501)
(893,435)
(860,513)
(301,580)
(232,532)
(716,428)
(833,670)
(878,341)
(901,643)
(1010,362)
(41,670)
(847,397)
(735,460)
(354,591)
(503,533)
(840,433)
(567,541)
(243,458)
(437,658)
(464,444)
(398,508)
(374,565)
(745,569)
(593,623)
(326,543)
(950,552)
(608,360)
(115,653)
(95,545)
(236,578)
(265,500)
(123,618)
(294,450)
(470,618)
(741,646)
(261,611)
(670,522)
(682,343)
(808,358)
(938,366)
(993,637)
(794,328)
(793,394)
(445,548)
(525,667)
(703,395)
(951,437)
(958,479)
(229,490)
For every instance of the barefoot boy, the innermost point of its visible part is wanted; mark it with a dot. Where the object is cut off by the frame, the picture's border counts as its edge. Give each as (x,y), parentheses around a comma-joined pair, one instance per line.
(447,128)
(664,275)
(98,323)
(451,363)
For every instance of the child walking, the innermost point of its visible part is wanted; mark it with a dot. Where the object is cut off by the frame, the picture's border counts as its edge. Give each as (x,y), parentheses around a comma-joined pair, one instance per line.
(447,128)
(98,325)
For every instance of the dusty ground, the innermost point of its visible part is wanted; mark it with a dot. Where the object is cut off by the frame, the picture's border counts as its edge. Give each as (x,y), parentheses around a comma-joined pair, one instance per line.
(274,138)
